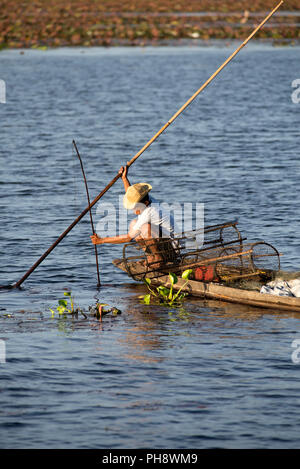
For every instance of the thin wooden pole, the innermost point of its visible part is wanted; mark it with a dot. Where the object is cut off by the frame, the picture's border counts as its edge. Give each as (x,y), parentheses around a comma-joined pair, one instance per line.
(91,216)
(64,234)
(112,182)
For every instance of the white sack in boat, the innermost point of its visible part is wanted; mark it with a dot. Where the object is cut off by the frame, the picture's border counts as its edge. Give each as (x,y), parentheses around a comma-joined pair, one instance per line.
(282,288)
(295,287)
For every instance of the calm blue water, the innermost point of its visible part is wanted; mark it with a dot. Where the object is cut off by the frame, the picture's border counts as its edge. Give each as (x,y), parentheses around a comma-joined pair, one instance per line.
(212,375)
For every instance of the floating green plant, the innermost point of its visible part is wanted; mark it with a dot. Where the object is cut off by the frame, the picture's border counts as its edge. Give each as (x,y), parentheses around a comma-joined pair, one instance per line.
(67,306)
(164,295)
(64,307)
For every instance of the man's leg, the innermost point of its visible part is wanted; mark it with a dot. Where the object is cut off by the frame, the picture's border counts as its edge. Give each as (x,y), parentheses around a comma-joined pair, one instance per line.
(150,243)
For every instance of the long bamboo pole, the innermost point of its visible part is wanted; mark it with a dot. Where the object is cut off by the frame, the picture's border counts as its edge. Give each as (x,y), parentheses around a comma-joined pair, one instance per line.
(205,84)
(112,182)
(91,216)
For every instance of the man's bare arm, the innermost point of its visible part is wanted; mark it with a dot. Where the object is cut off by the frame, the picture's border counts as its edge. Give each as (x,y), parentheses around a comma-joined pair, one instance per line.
(126,238)
(123,171)
(133,233)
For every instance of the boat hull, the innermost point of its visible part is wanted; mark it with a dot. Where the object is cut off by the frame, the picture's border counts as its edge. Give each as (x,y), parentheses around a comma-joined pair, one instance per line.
(233,295)
(221,292)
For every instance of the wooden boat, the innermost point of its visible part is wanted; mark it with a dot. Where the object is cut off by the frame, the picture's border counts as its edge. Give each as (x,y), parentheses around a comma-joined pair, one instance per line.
(139,268)
(212,290)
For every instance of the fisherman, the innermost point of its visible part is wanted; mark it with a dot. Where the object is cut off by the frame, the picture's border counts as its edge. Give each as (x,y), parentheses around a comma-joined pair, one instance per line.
(152,220)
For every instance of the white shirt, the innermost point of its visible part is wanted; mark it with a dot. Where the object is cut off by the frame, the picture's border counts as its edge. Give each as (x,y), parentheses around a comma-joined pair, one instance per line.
(162,221)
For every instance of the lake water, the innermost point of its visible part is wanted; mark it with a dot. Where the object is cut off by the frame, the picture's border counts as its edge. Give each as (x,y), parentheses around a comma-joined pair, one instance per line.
(209,376)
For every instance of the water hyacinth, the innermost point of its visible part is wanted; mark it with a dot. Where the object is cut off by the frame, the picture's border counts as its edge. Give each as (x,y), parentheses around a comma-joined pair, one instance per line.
(97,311)
(164,295)
(63,308)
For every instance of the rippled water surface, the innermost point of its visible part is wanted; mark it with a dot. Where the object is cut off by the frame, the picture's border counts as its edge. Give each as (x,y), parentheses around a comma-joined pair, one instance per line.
(205,376)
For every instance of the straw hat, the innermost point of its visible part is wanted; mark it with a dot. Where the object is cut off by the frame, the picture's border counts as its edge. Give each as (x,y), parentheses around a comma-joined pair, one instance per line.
(135,194)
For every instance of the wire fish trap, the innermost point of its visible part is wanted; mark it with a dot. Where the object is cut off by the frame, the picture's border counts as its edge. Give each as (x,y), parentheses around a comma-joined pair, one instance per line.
(213,236)
(259,259)
(157,256)
(217,253)
(234,262)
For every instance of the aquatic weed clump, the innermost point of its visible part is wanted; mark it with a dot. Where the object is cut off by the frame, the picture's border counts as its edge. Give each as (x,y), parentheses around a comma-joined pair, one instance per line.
(67,306)
(61,23)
